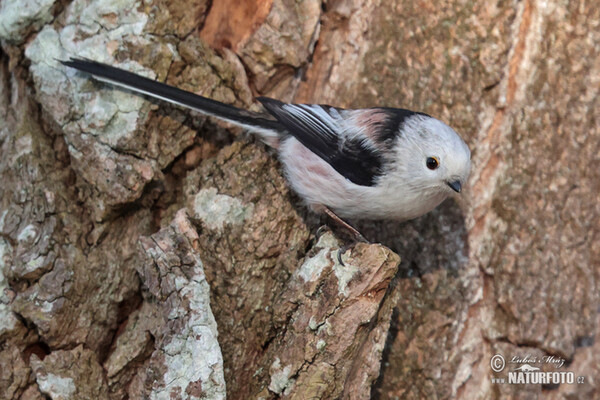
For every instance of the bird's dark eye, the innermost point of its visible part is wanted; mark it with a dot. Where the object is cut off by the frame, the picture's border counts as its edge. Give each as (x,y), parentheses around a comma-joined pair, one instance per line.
(432,163)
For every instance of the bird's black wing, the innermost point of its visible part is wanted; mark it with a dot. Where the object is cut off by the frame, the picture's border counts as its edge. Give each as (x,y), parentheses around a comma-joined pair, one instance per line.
(319,128)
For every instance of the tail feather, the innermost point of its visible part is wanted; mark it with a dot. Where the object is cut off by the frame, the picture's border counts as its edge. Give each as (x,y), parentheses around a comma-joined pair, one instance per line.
(268,128)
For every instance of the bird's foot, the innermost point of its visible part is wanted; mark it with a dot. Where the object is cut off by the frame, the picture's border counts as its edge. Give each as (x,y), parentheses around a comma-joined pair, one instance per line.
(322,230)
(356,236)
(349,246)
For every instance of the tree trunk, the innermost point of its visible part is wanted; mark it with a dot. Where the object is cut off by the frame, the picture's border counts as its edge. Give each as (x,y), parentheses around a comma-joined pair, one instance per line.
(147,252)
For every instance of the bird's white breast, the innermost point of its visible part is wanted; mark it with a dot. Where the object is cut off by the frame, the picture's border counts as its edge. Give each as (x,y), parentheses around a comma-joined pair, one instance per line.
(319,184)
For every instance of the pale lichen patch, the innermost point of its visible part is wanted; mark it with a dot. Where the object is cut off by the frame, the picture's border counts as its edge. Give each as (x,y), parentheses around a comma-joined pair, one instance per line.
(344,274)
(321,344)
(28,234)
(9,321)
(90,32)
(17,16)
(281,383)
(312,267)
(217,210)
(55,386)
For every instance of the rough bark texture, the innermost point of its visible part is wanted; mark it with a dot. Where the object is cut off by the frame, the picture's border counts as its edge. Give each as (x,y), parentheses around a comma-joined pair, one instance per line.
(146,252)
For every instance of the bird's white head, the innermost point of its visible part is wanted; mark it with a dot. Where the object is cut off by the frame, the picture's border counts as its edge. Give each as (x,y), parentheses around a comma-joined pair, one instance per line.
(435,158)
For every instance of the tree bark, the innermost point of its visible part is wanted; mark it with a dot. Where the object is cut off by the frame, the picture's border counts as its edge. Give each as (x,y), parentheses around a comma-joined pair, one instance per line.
(147,252)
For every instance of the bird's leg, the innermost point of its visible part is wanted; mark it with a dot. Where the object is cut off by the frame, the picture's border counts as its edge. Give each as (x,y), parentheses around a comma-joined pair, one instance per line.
(357,236)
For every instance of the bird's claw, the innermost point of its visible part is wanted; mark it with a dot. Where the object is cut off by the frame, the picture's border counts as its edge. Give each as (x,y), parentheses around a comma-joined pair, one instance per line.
(322,229)
(348,246)
(340,253)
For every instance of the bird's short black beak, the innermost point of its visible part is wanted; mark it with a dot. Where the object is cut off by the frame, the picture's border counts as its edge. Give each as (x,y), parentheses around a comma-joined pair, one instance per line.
(456,186)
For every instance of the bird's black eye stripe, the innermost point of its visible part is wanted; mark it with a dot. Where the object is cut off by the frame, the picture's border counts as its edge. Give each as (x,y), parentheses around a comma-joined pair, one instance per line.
(432,163)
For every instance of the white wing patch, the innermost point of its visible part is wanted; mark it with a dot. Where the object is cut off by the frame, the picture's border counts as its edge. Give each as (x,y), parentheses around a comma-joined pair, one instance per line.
(323,122)
(333,123)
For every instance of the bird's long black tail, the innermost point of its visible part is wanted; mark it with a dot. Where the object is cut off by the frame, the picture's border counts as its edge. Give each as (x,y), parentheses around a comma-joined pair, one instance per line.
(250,120)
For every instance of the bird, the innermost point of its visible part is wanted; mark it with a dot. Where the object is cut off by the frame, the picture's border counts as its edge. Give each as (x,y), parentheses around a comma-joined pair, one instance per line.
(376,163)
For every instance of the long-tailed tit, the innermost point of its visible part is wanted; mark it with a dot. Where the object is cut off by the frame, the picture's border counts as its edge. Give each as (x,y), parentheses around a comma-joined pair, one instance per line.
(374,163)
